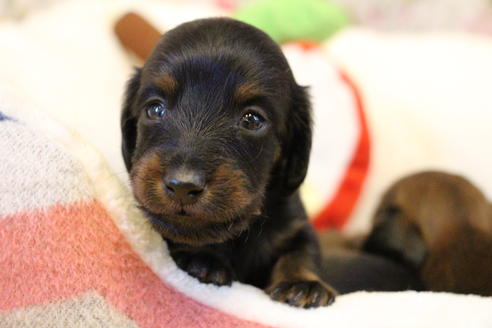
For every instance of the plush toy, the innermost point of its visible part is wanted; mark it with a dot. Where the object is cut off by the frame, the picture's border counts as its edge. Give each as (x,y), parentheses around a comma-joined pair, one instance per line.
(340,153)
(136,34)
(295,20)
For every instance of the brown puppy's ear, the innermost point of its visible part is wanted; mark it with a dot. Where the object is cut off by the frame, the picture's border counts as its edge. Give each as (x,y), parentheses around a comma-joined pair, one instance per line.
(399,240)
(129,120)
(297,144)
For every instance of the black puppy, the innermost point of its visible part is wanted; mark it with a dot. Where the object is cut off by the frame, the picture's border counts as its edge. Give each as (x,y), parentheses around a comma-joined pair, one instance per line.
(216,137)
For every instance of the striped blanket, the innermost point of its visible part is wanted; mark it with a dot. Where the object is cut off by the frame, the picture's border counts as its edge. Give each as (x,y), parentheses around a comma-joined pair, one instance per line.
(75,252)
(63,260)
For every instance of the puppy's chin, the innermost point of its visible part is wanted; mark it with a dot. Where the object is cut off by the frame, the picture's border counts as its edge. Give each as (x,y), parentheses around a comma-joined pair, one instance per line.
(195,231)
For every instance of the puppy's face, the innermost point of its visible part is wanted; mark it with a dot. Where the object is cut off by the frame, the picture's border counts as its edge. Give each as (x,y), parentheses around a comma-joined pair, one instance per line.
(210,123)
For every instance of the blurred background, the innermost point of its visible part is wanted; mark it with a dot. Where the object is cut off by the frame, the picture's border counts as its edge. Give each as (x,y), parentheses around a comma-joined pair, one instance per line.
(397,86)
(406,15)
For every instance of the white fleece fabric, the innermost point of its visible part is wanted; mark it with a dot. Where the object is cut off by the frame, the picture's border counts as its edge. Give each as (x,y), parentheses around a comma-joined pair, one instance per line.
(366,309)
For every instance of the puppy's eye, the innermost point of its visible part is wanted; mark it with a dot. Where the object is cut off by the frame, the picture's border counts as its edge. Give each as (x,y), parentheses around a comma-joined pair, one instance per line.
(252,121)
(155,110)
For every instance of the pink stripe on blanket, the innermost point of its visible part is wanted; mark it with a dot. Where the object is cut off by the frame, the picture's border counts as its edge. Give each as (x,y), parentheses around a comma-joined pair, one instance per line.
(66,251)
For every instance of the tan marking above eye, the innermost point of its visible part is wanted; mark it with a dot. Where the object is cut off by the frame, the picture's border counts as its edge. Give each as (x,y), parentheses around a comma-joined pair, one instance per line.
(247,91)
(167,83)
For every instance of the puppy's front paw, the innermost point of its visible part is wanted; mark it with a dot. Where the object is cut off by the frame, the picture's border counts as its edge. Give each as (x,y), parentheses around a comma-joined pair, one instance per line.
(306,294)
(206,267)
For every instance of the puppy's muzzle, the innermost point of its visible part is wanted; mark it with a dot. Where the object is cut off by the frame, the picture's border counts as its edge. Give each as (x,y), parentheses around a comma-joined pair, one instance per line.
(184,186)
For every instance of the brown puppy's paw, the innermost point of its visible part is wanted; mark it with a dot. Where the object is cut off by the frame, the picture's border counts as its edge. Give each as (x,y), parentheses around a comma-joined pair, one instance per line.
(306,294)
(206,267)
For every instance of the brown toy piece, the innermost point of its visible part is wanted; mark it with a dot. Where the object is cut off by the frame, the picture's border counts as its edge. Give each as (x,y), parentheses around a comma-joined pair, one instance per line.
(441,226)
(137,35)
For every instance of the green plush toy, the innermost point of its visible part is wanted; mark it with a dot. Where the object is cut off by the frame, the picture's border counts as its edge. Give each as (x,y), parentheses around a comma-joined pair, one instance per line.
(295,20)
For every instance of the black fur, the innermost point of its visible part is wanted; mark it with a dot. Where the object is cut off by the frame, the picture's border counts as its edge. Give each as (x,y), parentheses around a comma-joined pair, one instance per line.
(249,223)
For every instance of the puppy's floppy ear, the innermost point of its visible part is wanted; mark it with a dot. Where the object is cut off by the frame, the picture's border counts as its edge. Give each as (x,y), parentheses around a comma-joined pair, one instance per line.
(297,144)
(129,120)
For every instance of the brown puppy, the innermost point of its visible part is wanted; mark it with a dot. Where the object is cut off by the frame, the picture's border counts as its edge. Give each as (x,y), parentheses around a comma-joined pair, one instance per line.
(216,137)
(440,225)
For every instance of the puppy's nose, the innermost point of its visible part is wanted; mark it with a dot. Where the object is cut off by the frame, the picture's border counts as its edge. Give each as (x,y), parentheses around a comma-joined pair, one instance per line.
(184,186)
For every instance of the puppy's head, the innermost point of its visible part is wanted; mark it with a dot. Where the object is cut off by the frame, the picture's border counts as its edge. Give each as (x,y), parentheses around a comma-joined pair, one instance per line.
(212,123)
(441,225)
(423,213)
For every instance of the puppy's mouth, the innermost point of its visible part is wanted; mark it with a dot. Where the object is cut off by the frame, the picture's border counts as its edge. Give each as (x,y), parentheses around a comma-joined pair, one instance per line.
(186,229)
(221,212)
(182,212)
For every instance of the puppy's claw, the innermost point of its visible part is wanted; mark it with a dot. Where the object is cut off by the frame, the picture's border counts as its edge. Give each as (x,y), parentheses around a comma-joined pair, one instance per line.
(205,267)
(306,294)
